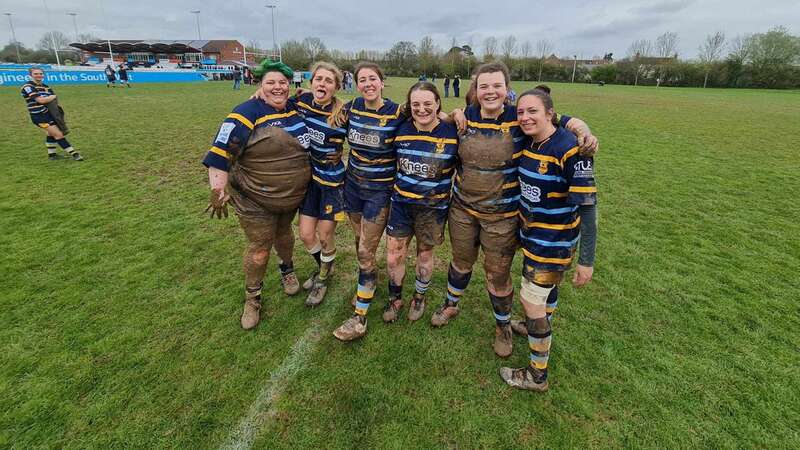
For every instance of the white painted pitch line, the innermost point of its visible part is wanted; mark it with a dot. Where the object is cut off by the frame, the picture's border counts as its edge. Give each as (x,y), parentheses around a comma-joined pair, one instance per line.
(261,411)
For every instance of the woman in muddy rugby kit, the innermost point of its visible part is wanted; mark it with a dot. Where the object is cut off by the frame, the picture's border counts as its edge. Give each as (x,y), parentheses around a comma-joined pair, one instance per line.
(258,162)
(483,212)
(371,168)
(40,99)
(323,205)
(557,207)
(426,151)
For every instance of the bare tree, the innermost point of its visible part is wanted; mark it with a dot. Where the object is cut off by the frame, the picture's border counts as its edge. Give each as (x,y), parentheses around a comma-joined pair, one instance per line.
(509,48)
(489,48)
(525,51)
(667,44)
(640,48)
(315,48)
(740,47)
(543,48)
(48,39)
(426,52)
(710,51)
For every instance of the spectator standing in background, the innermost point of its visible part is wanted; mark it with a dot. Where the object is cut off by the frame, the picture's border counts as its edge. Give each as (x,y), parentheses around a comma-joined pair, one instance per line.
(237,78)
(446,85)
(456,85)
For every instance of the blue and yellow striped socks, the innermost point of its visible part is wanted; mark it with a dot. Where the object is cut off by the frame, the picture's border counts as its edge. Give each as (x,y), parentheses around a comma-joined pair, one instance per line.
(539,340)
(501,305)
(50,143)
(456,283)
(421,286)
(366,291)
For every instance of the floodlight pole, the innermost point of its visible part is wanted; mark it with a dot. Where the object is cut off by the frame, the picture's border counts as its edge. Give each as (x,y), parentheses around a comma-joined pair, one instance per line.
(52,38)
(574,66)
(77,38)
(197,17)
(275,44)
(14,37)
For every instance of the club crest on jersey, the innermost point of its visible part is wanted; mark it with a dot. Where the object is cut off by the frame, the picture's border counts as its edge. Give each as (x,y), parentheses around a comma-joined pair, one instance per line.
(382,122)
(505,128)
(440,145)
(543,167)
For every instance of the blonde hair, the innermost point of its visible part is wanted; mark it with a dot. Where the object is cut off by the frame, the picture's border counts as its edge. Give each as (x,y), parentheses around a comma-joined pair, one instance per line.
(337,117)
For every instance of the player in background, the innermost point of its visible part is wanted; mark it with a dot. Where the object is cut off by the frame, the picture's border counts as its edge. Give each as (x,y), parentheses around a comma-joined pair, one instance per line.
(40,98)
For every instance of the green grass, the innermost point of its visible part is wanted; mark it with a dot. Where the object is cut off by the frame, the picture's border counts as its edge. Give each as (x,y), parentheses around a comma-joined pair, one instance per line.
(119,300)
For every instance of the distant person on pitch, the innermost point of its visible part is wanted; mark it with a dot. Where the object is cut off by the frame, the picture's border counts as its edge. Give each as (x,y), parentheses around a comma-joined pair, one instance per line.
(47,114)
(456,85)
(297,78)
(237,78)
(111,77)
(123,75)
(446,86)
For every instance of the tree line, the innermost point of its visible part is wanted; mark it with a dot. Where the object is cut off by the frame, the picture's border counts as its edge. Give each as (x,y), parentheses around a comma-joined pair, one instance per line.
(764,60)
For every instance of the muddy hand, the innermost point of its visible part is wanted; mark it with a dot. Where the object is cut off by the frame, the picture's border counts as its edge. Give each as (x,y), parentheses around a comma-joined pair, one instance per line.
(218,204)
(588,144)
(460,119)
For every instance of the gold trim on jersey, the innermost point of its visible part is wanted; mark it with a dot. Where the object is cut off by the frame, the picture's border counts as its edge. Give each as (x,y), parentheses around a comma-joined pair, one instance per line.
(481,215)
(417,196)
(539,157)
(549,226)
(263,119)
(557,195)
(504,127)
(542,259)
(383,117)
(568,154)
(326,183)
(242,119)
(220,152)
(371,161)
(583,189)
(435,140)
(311,108)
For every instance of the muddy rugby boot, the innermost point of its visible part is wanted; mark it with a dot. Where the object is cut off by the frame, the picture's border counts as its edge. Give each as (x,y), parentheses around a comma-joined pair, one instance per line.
(309,283)
(519,327)
(391,311)
(252,313)
(444,313)
(353,328)
(503,344)
(77,156)
(417,307)
(527,378)
(317,293)
(290,284)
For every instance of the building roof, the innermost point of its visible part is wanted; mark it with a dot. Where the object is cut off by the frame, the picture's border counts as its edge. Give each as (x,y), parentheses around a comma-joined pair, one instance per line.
(152,46)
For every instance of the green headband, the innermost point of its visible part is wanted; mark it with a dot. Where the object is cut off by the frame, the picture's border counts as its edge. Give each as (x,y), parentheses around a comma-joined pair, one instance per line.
(268,65)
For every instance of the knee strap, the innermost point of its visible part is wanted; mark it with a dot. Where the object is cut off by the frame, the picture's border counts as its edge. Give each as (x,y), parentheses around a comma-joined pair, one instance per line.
(533,294)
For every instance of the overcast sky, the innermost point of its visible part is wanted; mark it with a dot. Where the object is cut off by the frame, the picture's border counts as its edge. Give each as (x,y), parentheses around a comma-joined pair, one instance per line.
(575,27)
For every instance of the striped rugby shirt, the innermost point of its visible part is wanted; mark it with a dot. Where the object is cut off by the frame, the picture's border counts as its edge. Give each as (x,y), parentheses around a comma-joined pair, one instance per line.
(425,161)
(31,91)
(554,180)
(372,163)
(324,140)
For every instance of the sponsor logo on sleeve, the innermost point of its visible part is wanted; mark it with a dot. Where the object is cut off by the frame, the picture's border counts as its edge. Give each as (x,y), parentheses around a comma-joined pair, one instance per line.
(225,132)
(583,169)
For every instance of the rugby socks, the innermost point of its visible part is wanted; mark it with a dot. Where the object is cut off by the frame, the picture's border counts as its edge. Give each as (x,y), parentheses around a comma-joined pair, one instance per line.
(552,303)
(253,292)
(326,264)
(64,144)
(366,290)
(421,286)
(539,339)
(456,283)
(315,251)
(50,143)
(286,267)
(395,291)
(502,308)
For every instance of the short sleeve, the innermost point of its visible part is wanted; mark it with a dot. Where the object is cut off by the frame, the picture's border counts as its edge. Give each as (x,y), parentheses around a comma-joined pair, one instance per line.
(579,173)
(232,136)
(563,119)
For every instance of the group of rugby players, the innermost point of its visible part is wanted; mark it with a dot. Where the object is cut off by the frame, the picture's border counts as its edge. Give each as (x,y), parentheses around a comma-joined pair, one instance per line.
(500,175)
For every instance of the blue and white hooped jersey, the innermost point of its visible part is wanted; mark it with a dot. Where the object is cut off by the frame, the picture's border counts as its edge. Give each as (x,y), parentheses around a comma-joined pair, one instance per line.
(372,163)
(324,140)
(554,181)
(425,163)
(237,127)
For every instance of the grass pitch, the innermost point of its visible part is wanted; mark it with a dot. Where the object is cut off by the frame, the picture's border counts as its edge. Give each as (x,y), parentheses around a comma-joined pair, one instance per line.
(119,300)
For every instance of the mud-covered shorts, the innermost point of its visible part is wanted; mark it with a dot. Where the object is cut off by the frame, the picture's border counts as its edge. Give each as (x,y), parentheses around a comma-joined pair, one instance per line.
(42,120)
(324,203)
(265,229)
(498,236)
(367,202)
(424,223)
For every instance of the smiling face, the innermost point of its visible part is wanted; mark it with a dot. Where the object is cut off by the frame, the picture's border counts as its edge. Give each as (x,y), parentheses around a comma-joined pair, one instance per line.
(324,86)
(535,119)
(491,91)
(37,75)
(424,108)
(369,84)
(275,87)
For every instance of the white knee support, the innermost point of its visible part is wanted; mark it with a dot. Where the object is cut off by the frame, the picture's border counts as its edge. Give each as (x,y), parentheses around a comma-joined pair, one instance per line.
(533,294)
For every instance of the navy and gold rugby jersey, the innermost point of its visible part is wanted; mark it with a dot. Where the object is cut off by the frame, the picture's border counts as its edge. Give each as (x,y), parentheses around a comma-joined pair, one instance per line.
(243,120)
(324,139)
(372,163)
(554,180)
(31,91)
(425,163)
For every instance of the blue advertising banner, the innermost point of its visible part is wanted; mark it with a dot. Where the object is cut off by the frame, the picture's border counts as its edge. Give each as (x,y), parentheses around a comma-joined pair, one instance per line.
(20,77)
